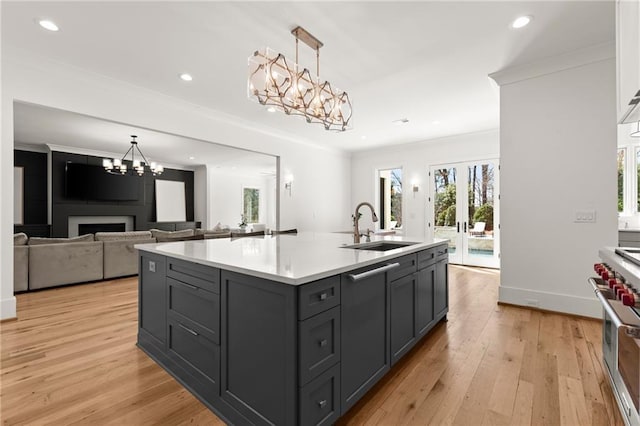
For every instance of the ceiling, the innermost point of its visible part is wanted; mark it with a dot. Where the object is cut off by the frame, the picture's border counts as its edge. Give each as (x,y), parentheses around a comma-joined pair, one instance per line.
(424,61)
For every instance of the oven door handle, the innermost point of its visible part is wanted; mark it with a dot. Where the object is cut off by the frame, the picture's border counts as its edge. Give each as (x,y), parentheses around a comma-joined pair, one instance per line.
(601,293)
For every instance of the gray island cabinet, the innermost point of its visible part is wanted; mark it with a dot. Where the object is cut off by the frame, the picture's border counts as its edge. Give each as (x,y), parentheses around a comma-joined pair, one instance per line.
(262,351)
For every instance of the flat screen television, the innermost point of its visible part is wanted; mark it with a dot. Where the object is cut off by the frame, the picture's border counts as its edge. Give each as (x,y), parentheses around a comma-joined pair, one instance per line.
(88,182)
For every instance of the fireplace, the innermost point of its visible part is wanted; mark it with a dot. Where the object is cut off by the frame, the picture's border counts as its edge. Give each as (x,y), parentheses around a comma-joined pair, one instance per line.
(80,225)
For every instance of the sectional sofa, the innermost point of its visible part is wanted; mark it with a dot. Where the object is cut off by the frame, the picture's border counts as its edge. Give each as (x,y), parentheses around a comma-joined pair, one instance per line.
(49,262)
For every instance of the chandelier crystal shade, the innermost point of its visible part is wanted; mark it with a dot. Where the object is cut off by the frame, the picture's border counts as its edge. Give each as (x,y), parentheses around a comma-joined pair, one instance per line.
(118,165)
(276,82)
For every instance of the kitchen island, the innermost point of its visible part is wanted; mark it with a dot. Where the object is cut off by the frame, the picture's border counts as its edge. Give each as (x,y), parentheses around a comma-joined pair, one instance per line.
(288,329)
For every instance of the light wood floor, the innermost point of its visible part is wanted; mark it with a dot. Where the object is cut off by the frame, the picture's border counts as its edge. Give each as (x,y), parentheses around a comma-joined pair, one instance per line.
(71,358)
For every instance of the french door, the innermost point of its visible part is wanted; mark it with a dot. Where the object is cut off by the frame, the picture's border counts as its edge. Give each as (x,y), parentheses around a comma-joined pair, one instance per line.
(463,209)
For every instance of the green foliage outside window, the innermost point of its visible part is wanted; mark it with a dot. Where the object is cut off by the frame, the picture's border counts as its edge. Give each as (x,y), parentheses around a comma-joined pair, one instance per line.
(251,205)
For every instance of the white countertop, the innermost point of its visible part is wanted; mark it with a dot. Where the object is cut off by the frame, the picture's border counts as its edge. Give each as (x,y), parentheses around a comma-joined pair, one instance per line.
(288,258)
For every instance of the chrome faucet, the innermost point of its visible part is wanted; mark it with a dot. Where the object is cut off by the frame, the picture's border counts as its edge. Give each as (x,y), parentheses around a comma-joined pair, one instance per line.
(356,217)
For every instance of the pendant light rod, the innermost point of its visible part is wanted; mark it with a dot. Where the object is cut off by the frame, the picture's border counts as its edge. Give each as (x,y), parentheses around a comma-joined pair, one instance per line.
(306,37)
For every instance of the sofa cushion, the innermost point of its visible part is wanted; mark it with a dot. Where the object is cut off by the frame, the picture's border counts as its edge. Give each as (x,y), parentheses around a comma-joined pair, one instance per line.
(51,265)
(179,238)
(36,241)
(20,239)
(157,233)
(118,236)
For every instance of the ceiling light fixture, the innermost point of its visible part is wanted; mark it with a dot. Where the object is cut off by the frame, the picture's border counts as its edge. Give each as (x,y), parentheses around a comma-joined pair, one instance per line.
(521,21)
(118,166)
(48,25)
(273,81)
(186,77)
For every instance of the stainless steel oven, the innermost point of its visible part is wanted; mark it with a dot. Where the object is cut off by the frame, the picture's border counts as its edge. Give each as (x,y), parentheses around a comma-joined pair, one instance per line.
(620,345)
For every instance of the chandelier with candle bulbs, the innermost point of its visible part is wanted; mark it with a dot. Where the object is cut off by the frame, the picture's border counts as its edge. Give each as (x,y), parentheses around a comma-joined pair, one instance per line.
(279,84)
(118,165)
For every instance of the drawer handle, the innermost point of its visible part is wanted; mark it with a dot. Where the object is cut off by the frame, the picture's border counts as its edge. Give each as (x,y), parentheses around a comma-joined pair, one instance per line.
(322,343)
(188,329)
(322,403)
(323,296)
(441,252)
(192,287)
(367,274)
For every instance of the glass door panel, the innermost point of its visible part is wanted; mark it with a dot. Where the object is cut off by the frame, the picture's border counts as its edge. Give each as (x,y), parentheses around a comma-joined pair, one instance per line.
(445,209)
(479,223)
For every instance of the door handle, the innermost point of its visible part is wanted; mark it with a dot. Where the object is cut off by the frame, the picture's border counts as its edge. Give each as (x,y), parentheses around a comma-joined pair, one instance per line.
(367,274)
(458,226)
(631,330)
(465,227)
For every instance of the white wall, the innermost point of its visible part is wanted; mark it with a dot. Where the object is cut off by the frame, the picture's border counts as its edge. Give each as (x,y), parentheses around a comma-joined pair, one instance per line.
(415,160)
(320,198)
(558,155)
(226,193)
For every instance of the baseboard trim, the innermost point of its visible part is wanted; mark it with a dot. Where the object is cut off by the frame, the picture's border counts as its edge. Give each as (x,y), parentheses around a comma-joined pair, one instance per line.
(2,321)
(8,308)
(554,302)
(548,311)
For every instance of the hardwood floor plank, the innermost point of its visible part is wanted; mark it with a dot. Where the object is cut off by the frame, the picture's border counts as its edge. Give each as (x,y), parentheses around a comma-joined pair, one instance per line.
(71,358)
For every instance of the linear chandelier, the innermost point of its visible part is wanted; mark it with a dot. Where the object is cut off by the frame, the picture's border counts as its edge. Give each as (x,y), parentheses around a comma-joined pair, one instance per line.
(118,166)
(277,83)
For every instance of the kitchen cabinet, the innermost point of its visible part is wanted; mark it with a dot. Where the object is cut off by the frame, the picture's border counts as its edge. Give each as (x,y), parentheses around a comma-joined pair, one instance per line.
(263,352)
(627,52)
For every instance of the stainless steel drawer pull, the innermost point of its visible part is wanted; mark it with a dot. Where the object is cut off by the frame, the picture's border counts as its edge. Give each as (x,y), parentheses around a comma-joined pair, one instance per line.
(323,296)
(192,287)
(367,274)
(322,343)
(187,329)
(322,403)
(601,293)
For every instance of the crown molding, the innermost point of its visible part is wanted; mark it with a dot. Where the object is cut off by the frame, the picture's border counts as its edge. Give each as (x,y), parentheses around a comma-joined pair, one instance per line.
(554,64)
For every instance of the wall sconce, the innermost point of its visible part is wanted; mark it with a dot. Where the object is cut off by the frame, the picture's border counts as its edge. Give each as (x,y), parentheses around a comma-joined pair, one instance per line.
(415,187)
(288,181)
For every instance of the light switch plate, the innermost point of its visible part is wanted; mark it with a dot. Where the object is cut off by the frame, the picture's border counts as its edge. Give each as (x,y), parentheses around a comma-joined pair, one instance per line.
(585,216)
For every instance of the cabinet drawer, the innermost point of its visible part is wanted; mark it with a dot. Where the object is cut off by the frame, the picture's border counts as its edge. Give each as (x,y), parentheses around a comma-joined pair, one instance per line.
(318,296)
(408,265)
(426,257)
(194,352)
(319,344)
(201,276)
(442,252)
(201,308)
(320,399)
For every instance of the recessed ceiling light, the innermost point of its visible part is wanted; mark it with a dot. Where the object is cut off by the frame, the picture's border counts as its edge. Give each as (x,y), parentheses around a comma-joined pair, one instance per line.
(435,123)
(363,137)
(186,77)
(400,121)
(521,21)
(48,25)
(192,158)
(271,109)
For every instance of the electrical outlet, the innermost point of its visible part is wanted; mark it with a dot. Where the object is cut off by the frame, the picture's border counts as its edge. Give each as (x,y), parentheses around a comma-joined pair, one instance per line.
(585,216)
(152,266)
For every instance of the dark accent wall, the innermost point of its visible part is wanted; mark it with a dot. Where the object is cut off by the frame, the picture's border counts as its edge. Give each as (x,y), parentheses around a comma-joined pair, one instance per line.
(143,210)
(35,185)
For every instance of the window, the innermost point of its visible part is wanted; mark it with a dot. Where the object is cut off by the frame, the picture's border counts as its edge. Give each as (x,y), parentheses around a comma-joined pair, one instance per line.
(390,202)
(251,205)
(621,191)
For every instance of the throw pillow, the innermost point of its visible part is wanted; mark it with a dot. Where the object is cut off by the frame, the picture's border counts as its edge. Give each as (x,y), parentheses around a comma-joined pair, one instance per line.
(157,233)
(35,241)
(118,236)
(20,239)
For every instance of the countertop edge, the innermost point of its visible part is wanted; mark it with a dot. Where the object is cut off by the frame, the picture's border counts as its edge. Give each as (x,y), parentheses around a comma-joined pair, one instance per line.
(151,248)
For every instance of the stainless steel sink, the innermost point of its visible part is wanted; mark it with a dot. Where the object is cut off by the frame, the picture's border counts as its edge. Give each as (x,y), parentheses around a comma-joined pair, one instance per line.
(380,245)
